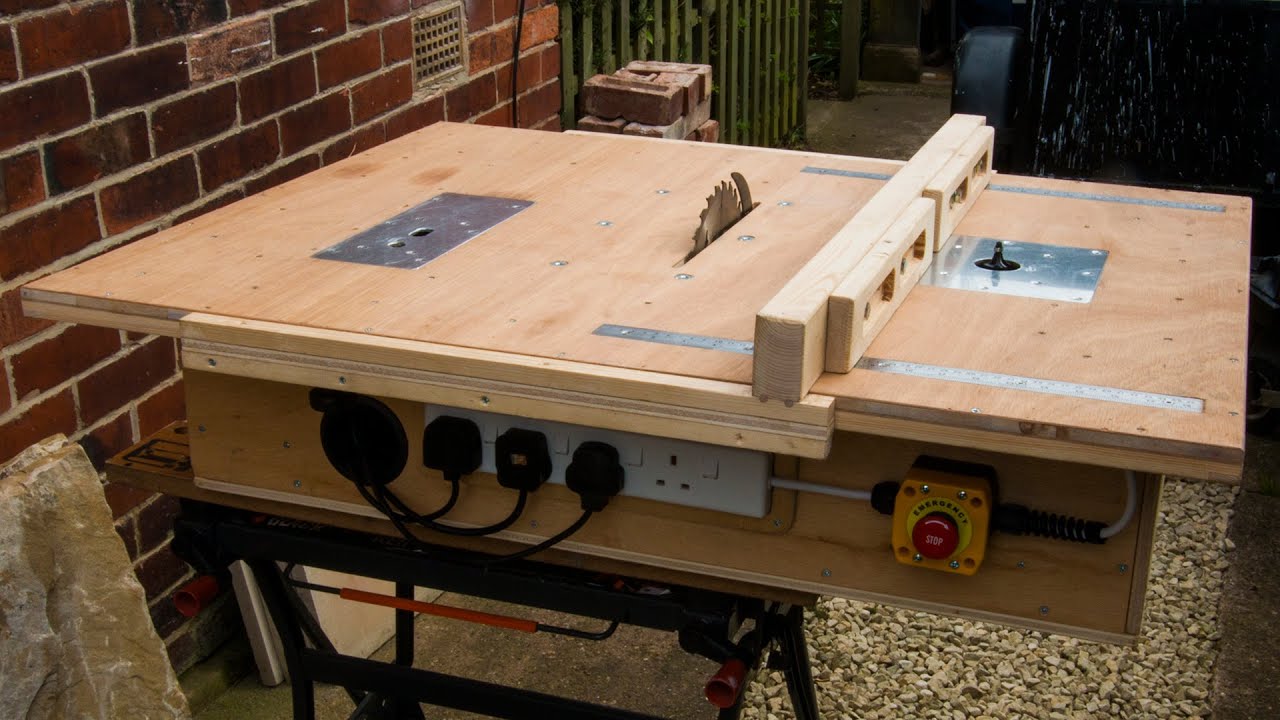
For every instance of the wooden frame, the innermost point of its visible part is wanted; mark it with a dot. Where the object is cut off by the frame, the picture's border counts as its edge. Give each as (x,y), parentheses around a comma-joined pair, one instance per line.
(259,439)
(495,325)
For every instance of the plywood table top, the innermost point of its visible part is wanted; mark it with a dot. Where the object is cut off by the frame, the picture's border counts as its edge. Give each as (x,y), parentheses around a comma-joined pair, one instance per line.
(612,217)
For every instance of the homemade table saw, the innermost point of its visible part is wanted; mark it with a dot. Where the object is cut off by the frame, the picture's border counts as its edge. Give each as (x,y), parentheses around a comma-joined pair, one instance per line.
(780,407)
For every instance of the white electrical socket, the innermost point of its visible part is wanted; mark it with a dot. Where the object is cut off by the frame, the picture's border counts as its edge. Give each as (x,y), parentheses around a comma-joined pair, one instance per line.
(680,472)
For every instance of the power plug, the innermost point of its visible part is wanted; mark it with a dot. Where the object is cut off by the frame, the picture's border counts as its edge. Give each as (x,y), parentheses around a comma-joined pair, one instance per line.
(523,459)
(595,473)
(453,446)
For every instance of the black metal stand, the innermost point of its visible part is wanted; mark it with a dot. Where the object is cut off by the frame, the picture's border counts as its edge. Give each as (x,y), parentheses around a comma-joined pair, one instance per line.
(716,625)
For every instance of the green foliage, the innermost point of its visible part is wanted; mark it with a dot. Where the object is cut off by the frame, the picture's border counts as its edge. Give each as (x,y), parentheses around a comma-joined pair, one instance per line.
(824,40)
(825,36)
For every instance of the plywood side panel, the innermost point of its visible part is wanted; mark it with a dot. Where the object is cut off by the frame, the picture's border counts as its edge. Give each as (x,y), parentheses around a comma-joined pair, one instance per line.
(180,482)
(819,543)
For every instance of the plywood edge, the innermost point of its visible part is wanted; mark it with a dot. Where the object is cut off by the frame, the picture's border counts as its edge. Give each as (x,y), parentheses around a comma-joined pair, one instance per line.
(122,316)
(791,328)
(1140,568)
(539,401)
(862,305)
(961,180)
(1070,445)
(603,380)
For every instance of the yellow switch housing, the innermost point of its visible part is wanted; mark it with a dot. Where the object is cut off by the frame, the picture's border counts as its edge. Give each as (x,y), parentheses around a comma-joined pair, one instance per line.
(962,493)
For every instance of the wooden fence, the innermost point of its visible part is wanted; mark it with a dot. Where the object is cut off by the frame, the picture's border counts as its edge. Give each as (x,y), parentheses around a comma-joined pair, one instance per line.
(837,29)
(758,49)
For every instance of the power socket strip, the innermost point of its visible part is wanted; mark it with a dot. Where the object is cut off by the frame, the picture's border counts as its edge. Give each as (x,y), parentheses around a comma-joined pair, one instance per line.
(679,472)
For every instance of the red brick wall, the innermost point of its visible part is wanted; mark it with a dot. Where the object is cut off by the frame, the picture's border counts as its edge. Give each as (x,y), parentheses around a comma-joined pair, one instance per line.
(122,117)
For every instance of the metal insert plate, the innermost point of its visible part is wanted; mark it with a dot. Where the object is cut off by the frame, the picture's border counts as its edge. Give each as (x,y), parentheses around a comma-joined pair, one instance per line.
(424,232)
(1050,272)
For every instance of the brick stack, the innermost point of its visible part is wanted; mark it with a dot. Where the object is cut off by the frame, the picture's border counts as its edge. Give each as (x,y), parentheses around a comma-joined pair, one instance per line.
(652,99)
(122,117)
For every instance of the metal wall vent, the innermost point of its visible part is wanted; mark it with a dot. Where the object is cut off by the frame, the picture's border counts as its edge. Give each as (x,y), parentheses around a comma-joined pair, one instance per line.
(439,42)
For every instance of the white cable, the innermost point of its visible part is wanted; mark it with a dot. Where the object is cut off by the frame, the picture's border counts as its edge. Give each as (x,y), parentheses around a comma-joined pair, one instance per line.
(820,489)
(1130,506)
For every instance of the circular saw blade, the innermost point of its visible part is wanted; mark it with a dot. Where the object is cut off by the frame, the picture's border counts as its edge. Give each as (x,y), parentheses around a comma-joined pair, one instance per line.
(726,205)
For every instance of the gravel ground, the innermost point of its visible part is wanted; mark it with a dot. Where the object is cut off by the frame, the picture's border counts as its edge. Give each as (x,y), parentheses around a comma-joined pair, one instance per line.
(872,661)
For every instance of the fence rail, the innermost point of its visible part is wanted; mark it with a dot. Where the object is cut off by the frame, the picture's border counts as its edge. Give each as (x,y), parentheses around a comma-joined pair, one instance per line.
(837,28)
(758,48)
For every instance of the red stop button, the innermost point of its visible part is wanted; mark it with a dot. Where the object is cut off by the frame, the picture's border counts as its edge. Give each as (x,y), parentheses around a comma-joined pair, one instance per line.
(935,536)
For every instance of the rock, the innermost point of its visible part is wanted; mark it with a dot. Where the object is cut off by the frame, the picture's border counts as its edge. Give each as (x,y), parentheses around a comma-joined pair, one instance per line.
(78,641)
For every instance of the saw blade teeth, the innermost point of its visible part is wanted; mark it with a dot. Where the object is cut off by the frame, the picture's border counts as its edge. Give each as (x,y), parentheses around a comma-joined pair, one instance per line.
(725,206)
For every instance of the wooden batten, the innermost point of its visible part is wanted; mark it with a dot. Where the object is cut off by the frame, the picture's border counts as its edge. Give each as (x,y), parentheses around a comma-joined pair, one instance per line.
(791,329)
(86,311)
(635,401)
(864,302)
(957,186)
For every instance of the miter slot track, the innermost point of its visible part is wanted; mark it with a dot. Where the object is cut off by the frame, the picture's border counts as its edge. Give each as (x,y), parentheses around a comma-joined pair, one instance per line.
(1037,385)
(1065,194)
(932,372)
(704,342)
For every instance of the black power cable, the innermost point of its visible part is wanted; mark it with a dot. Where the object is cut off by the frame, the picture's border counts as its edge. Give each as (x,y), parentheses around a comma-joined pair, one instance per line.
(1021,520)
(549,542)
(398,520)
(382,494)
(365,476)
(595,474)
(407,514)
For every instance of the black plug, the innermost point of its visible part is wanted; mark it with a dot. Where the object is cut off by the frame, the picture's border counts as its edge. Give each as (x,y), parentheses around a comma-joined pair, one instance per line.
(884,496)
(362,438)
(523,460)
(595,473)
(453,446)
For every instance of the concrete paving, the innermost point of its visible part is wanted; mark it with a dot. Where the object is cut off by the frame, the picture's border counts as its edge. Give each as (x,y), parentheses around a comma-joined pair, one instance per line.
(885,121)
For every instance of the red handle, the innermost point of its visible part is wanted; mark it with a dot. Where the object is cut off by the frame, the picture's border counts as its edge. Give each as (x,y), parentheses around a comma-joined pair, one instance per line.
(196,595)
(723,688)
(425,608)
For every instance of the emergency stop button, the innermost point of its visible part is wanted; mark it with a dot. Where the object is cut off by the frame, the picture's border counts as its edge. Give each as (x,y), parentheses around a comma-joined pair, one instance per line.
(936,536)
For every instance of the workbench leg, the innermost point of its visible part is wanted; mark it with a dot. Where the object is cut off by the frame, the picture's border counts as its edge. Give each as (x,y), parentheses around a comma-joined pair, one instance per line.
(404,627)
(405,709)
(795,665)
(272,586)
